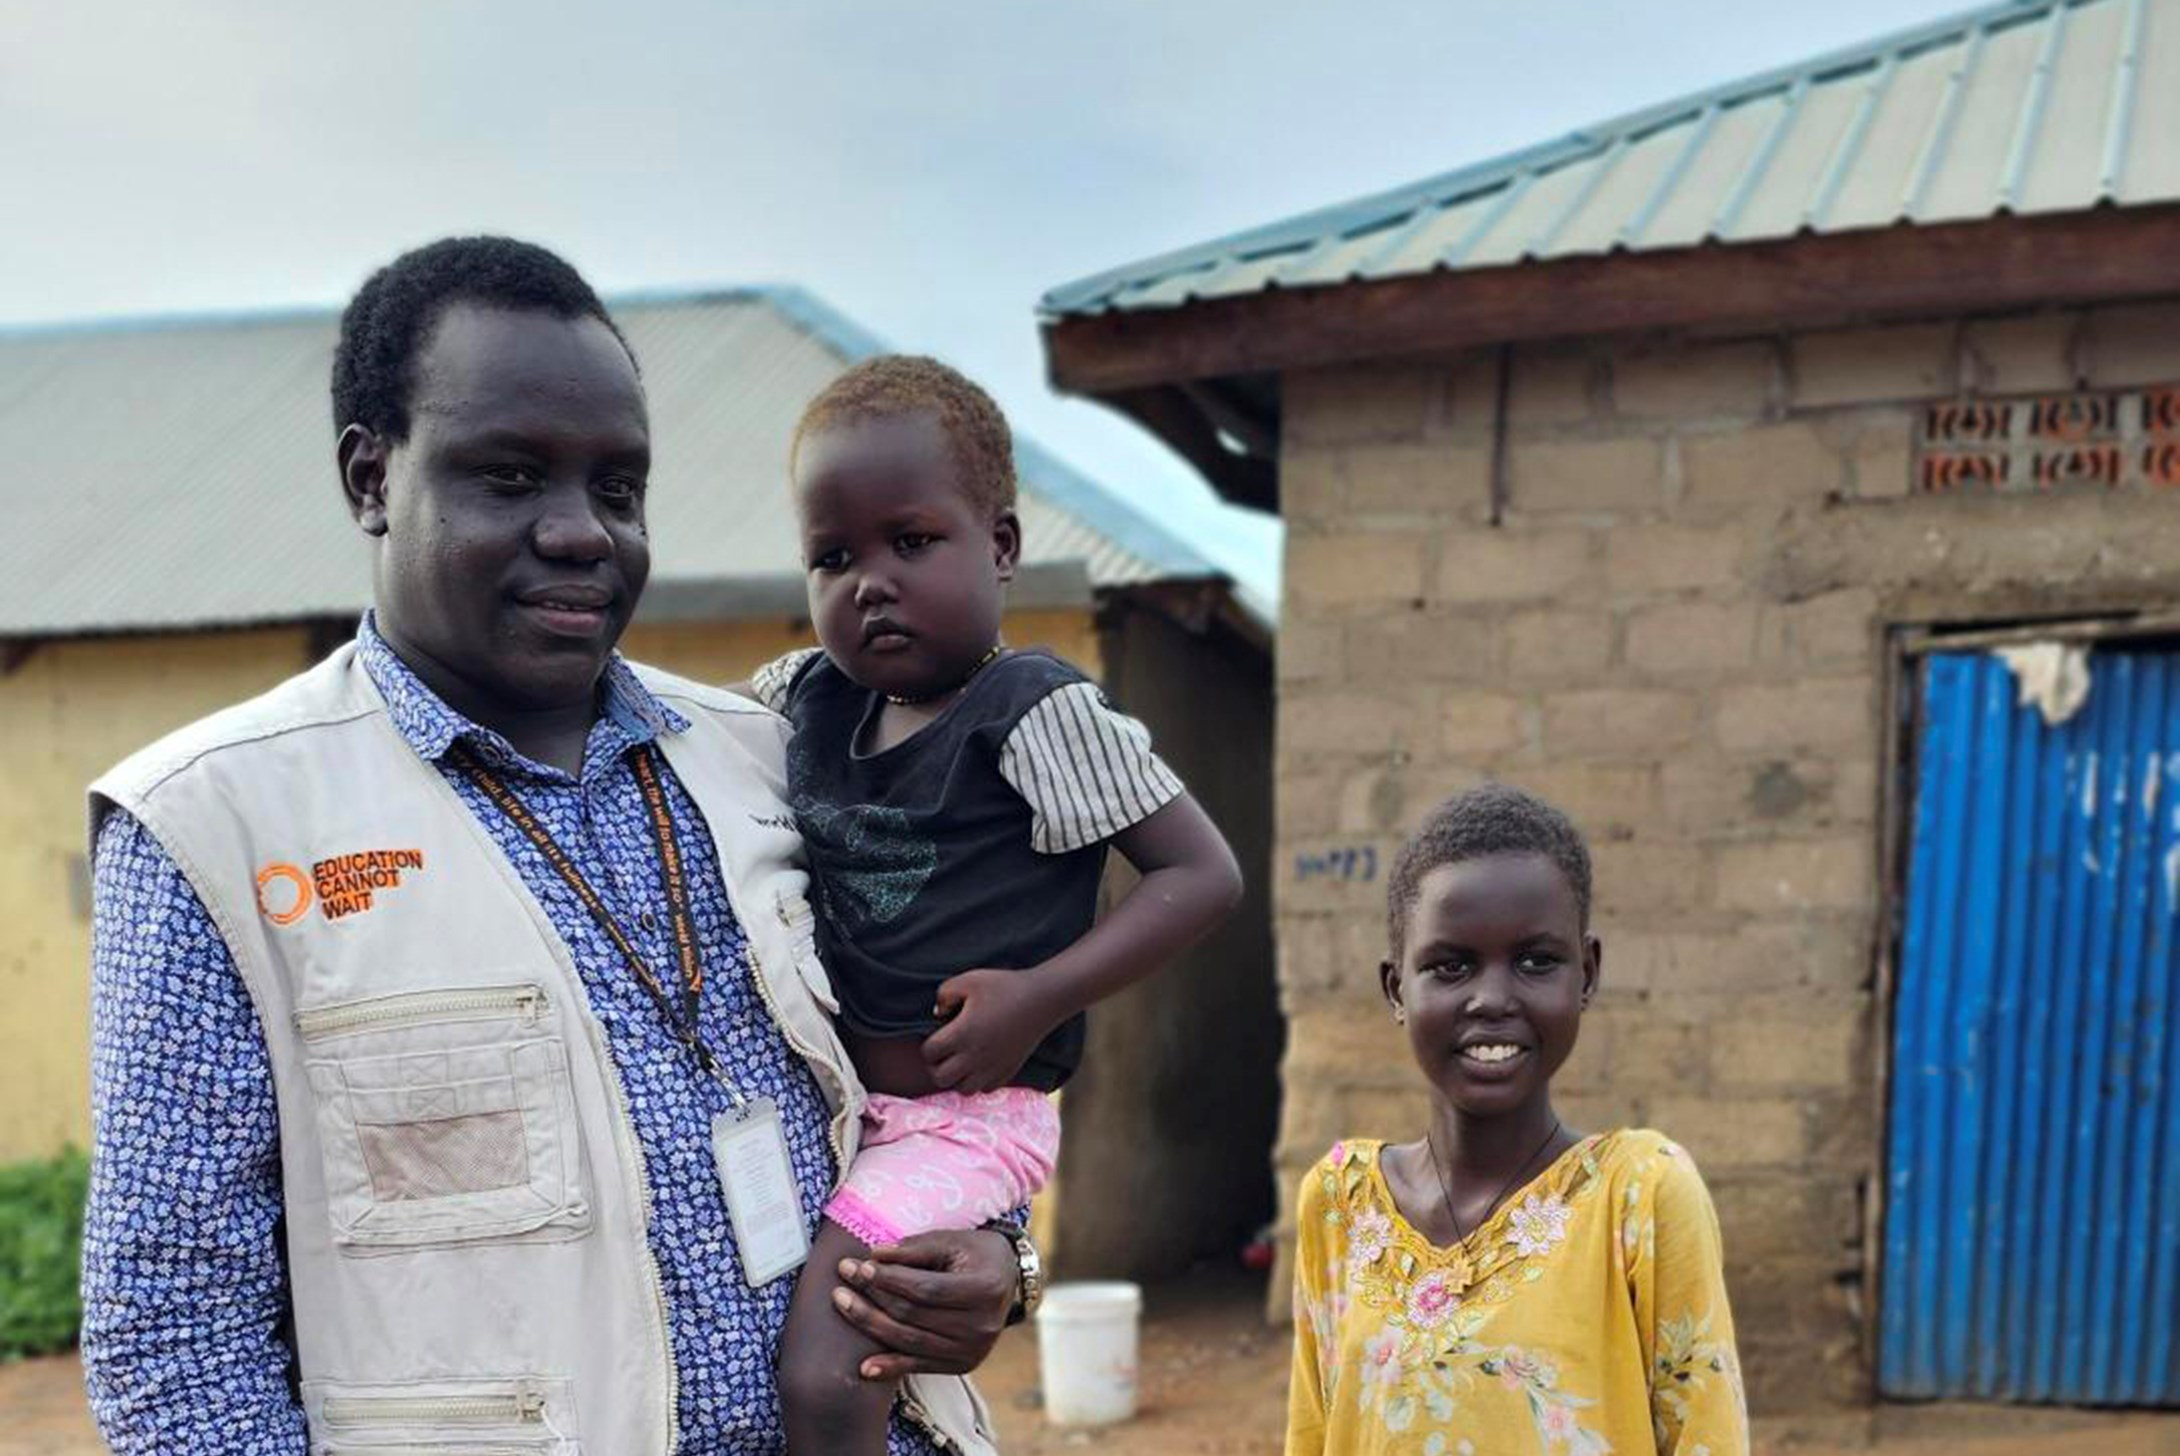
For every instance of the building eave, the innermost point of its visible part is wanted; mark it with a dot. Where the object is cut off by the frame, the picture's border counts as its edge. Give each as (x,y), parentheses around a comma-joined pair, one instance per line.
(1147,362)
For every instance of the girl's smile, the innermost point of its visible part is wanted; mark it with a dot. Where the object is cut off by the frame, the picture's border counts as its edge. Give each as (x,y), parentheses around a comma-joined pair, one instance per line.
(1498,1054)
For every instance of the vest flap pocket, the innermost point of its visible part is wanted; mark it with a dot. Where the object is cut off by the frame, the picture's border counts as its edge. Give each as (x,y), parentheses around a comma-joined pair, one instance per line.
(801,922)
(439,1132)
(477,1417)
(442,1139)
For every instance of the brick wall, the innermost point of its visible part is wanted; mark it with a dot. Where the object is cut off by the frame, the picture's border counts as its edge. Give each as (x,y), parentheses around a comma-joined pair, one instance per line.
(1679,633)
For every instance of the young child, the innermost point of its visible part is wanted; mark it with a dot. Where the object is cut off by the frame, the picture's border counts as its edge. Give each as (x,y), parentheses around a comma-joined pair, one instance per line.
(1503,1283)
(956,799)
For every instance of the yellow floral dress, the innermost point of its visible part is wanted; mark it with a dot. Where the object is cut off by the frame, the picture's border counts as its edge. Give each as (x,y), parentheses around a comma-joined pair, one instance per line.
(1586,1316)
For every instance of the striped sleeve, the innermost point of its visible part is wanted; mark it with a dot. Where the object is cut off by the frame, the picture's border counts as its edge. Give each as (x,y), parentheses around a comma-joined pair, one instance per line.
(1086,771)
(770,683)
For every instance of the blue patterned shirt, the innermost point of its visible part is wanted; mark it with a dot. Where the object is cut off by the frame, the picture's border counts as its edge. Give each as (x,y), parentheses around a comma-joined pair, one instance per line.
(184,1291)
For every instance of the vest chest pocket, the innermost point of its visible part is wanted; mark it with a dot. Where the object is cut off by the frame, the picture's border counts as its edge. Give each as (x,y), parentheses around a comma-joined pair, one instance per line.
(444,1117)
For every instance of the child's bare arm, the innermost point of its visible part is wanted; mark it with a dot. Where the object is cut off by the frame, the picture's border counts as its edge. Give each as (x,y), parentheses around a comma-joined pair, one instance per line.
(1190,883)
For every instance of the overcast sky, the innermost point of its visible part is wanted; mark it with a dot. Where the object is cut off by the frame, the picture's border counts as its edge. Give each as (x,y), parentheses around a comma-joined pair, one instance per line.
(930,167)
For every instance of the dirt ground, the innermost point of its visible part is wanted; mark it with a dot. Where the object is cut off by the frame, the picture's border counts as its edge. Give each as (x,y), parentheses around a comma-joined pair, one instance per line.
(1214,1381)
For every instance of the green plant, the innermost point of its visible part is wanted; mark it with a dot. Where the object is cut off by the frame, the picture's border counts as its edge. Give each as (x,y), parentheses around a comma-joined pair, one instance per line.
(41,1243)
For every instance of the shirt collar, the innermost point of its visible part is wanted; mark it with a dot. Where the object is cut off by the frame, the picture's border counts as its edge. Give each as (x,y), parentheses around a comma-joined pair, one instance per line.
(632,716)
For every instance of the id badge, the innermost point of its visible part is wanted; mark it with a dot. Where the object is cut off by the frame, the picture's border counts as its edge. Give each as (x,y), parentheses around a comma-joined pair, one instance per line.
(762,1199)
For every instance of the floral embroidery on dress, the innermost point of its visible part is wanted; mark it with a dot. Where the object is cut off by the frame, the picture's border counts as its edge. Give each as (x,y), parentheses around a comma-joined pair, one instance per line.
(1631,1226)
(1389,1266)
(1686,1359)
(1436,1303)
(1539,1225)
(1552,1408)
(1381,1364)
(1430,1300)
(1417,1349)
(1368,1234)
(1325,1316)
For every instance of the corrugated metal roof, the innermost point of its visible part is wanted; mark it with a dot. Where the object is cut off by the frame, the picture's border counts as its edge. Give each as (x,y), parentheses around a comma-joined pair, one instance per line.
(2036,107)
(179,472)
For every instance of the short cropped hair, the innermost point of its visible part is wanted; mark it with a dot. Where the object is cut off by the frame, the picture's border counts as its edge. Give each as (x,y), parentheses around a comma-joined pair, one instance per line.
(386,324)
(887,386)
(1490,819)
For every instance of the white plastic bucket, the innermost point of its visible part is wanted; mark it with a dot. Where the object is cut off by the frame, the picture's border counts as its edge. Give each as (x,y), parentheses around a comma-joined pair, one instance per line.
(1086,1347)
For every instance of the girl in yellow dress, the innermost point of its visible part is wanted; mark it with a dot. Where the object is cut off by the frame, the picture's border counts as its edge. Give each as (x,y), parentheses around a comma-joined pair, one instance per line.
(1503,1284)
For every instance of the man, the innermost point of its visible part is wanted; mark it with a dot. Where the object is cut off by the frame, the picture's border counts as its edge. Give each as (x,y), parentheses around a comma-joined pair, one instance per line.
(446,997)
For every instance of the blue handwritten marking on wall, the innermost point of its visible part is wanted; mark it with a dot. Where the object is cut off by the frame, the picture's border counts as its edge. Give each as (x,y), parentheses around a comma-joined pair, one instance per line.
(1357,863)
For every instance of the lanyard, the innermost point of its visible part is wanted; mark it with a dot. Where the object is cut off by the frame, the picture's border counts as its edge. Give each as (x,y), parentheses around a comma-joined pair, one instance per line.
(680,1011)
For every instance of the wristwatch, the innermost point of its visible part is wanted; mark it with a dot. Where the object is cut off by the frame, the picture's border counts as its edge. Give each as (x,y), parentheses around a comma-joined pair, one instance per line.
(1029,1271)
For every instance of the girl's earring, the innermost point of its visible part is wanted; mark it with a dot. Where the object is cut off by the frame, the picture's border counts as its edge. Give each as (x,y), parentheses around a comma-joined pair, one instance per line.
(1400,1014)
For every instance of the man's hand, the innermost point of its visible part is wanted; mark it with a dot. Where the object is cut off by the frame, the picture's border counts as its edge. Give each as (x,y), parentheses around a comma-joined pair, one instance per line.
(994,1020)
(936,1301)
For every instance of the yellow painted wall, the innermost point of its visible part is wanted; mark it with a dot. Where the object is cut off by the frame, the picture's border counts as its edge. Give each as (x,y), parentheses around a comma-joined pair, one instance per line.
(73,708)
(67,712)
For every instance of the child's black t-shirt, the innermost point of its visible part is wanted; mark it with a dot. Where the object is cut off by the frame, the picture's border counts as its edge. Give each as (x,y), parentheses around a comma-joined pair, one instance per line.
(977,843)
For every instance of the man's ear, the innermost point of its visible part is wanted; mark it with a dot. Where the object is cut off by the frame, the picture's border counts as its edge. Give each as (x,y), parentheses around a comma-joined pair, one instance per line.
(361,453)
(1006,543)
(1389,984)
(1593,966)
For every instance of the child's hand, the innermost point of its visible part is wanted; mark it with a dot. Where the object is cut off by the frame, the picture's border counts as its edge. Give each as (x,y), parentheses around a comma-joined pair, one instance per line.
(994,1020)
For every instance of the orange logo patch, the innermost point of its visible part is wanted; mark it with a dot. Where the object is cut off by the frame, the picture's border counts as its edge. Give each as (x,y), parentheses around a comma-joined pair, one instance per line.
(344,885)
(283,893)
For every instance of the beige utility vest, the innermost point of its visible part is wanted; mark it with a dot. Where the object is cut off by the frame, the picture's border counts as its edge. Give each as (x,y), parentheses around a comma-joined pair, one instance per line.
(465,1196)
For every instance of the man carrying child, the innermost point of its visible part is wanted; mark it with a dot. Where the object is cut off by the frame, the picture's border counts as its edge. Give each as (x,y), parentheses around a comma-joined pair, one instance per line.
(442,1170)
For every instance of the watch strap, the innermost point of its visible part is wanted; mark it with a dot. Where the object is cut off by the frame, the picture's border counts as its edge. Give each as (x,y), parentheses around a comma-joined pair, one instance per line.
(1029,1271)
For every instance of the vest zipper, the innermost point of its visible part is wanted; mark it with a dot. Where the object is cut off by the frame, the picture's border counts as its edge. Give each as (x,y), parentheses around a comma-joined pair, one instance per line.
(913,1409)
(410,1008)
(517,1408)
(643,1235)
(833,1134)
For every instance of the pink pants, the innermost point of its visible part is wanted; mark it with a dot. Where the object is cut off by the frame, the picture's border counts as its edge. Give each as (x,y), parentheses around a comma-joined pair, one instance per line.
(952,1160)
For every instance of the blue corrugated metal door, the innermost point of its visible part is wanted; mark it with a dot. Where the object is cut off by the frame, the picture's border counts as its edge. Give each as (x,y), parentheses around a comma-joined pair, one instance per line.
(2032,1216)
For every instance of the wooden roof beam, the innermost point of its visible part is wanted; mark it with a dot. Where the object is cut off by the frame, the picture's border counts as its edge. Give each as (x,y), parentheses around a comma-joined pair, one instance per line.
(1178,417)
(1131,359)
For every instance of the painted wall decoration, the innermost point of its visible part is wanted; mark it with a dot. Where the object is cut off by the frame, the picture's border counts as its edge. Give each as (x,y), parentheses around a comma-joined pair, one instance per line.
(2104,440)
